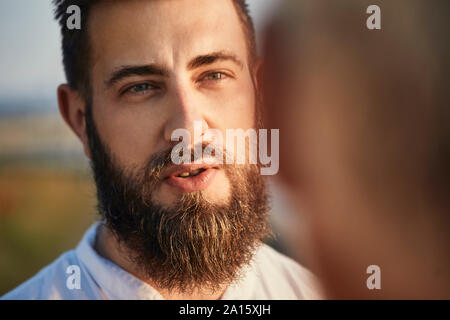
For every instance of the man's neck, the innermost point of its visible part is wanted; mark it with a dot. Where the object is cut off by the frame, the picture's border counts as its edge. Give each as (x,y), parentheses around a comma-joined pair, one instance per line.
(108,247)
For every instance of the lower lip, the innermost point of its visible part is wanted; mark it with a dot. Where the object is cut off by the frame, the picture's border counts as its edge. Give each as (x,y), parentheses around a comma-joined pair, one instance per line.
(191,184)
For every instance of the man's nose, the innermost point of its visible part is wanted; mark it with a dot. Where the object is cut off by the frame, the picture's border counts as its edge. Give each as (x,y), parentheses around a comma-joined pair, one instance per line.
(186,114)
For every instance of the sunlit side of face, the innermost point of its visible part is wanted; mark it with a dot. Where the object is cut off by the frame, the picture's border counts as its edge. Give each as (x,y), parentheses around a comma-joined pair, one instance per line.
(136,112)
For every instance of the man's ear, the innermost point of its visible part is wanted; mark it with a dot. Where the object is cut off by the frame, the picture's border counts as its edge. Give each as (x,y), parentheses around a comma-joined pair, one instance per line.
(72,108)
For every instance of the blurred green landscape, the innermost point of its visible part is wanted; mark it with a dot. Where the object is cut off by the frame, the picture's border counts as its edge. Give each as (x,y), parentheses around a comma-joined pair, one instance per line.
(47,197)
(43,213)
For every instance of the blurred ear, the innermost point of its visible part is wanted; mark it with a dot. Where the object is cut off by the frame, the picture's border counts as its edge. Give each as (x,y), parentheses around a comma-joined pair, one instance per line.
(72,108)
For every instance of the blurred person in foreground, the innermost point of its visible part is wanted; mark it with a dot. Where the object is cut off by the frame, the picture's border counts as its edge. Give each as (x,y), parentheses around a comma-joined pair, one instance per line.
(364,118)
(136,72)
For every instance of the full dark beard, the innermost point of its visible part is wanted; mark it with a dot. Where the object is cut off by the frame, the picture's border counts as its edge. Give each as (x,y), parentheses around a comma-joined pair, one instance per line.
(194,244)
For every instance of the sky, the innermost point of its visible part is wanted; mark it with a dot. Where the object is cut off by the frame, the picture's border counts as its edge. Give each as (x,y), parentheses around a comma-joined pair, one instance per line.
(30,55)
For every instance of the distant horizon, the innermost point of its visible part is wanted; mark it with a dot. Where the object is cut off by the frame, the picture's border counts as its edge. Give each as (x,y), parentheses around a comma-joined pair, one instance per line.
(10,106)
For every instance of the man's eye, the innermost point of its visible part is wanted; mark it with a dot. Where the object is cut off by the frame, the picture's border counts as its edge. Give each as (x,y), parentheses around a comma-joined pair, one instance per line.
(141,88)
(214,76)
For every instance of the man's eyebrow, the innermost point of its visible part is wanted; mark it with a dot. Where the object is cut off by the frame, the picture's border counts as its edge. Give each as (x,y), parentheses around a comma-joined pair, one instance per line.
(128,71)
(212,57)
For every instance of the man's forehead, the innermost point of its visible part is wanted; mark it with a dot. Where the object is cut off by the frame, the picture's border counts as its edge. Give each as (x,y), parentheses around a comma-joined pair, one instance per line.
(164,31)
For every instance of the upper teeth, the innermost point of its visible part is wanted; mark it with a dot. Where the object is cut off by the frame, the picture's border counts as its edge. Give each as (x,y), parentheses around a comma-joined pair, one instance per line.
(192,173)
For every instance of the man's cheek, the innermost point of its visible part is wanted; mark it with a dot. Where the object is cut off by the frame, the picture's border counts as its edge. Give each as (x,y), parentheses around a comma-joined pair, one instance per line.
(237,110)
(132,148)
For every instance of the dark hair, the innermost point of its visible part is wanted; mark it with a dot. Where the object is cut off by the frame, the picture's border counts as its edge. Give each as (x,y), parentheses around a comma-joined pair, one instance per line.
(76,46)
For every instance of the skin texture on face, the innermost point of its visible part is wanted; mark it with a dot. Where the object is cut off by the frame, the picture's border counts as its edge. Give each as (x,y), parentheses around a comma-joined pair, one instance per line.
(195,59)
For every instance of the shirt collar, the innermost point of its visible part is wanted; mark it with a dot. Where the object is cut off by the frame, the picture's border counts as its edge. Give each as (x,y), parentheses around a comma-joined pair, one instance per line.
(115,282)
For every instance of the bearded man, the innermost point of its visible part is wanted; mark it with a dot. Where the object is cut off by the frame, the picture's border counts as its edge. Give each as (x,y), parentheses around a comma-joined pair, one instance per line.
(137,71)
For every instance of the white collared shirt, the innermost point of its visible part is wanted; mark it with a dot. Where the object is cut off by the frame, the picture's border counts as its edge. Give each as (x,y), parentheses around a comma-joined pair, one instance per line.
(270,275)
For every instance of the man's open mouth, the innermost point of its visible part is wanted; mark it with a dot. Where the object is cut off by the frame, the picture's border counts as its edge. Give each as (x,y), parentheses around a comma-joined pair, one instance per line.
(190,177)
